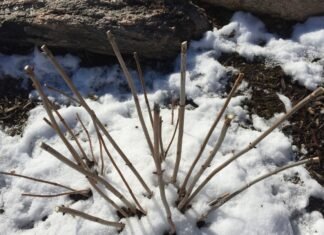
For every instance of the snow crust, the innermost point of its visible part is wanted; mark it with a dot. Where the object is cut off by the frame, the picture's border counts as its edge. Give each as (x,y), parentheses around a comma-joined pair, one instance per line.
(273,206)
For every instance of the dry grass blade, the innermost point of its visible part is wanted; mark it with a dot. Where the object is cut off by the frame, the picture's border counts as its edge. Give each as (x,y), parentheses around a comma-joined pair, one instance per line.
(156,122)
(299,105)
(210,132)
(131,85)
(172,138)
(221,201)
(66,210)
(62,93)
(141,78)
(181,109)
(94,117)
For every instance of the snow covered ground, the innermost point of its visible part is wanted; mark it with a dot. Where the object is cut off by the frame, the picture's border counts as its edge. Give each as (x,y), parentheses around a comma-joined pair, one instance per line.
(274,206)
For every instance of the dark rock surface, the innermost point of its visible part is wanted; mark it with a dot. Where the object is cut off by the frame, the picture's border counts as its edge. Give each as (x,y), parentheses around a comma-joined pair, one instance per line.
(298,10)
(154,29)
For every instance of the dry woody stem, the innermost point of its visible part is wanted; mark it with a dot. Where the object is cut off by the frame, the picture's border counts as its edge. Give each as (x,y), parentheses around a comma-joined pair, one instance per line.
(222,200)
(66,210)
(86,191)
(141,78)
(94,117)
(38,180)
(210,132)
(211,156)
(131,85)
(299,105)
(156,122)
(181,109)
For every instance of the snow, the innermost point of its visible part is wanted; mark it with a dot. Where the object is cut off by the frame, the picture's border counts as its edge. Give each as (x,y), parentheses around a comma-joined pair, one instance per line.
(265,208)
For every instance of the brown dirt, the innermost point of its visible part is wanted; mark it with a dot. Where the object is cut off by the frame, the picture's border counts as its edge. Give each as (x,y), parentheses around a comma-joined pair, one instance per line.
(14,105)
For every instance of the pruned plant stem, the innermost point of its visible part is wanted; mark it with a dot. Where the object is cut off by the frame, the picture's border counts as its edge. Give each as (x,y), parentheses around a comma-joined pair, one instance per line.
(88,136)
(210,132)
(156,122)
(66,210)
(222,200)
(62,93)
(48,107)
(94,117)
(172,138)
(131,85)
(141,78)
(162,155)
(87,173)
(122,176)
(86,191)
(38,180)
(211,156)
(85,157)
(181,109)
(104,196)
(299,105)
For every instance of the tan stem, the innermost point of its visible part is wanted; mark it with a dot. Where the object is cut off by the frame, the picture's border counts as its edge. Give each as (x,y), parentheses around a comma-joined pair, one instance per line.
(66,210)
(38,180)
(221,201)
(131,85)
(122,177)
(86,173)
(172,138)
(86,191)
(94,117)
(211,156)
(181,110)
(210,132)
(299,105)
(141,78)
(156,122)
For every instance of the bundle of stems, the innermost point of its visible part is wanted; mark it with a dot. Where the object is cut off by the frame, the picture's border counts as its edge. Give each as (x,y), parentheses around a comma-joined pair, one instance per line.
(189,197)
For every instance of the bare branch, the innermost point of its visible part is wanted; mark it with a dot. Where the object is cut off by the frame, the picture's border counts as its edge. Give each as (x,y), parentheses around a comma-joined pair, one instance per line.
(210,132)
(130,81)
(141,78)
(156,122)
(181,109)
(84,192)
(94,117)
(66,210)
(299,105)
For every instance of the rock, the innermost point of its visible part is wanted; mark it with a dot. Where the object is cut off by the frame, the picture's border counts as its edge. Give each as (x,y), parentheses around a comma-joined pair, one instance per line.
(290,10)
(154,29)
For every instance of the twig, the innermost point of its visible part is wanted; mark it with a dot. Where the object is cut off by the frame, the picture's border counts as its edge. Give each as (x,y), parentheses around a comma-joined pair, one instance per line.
(181,109)
(104,196)
(156,122)
(293,110)
(141,78)
(85,191)
(172,111)
(129,79)
(38,180)
(210,132)
(94,117)
(87,173)
(122,176)
(211,156)
(162,156)
(172,138)
(66,210)
(62,93)
(88,135)
(220,201)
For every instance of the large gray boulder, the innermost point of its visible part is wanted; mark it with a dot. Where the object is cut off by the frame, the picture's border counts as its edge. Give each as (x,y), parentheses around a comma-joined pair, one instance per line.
(286,9)
(154,29)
